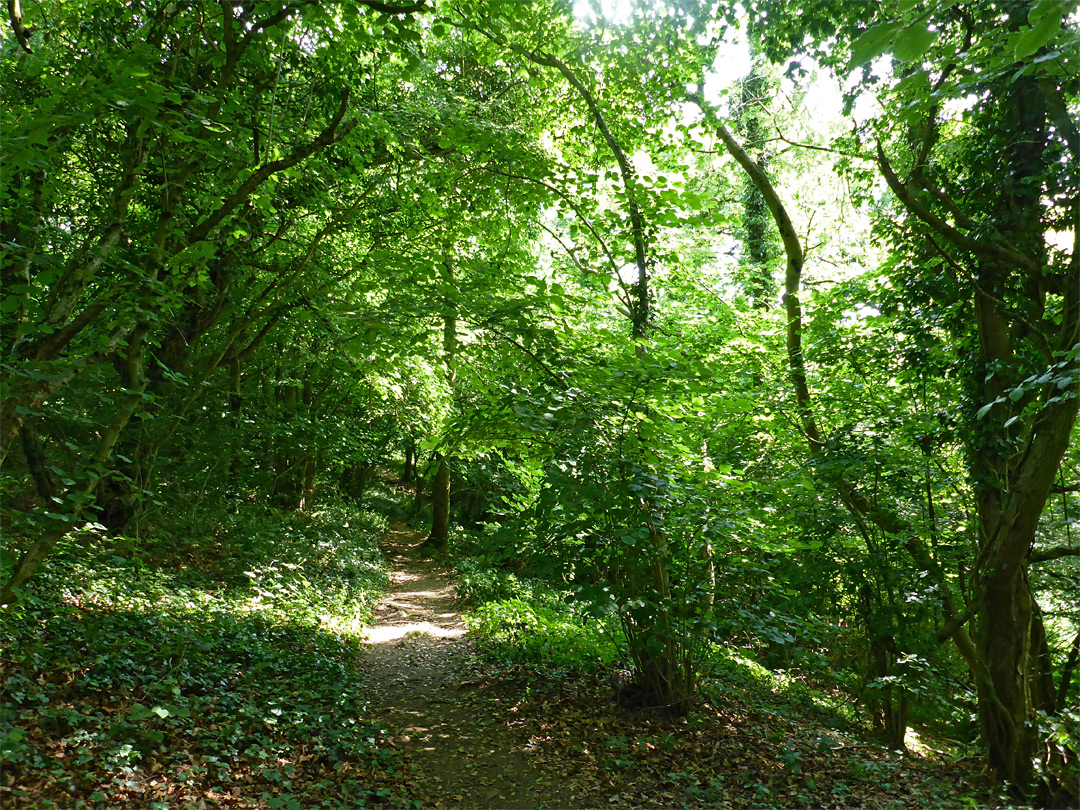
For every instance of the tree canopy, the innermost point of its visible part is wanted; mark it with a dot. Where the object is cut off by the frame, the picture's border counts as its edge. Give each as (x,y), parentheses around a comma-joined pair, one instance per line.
(780,352)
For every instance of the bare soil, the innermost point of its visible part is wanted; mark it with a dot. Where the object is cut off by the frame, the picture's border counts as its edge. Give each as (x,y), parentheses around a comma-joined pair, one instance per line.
(452,724)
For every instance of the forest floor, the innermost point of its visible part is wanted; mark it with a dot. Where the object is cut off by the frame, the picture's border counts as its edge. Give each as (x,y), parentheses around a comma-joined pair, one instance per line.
(454,731)
(223,668)
(473,733)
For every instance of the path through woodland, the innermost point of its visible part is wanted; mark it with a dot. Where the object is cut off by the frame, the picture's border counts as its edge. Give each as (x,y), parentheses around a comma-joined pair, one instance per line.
(468,733)
(453,725)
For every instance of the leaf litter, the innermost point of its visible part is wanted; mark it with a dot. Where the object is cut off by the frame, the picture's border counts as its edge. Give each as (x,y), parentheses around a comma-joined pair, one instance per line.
(257,714)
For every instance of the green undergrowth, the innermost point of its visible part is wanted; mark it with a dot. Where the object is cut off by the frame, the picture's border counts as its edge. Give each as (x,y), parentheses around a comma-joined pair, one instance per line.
(729,674)
(527,621)
(215,660)
(757,737)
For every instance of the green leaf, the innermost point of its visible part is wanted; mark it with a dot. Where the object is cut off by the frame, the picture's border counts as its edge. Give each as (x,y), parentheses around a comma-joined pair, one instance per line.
(1039,35)
(1044,8)
(15,735)
(872,43)
(913,42)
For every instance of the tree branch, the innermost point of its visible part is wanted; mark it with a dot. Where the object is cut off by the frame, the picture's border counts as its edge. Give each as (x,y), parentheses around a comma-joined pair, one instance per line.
(1038,555)
(333,132)
(384,8)
(792,276)
(22,32)
(640,319)
(573,207)
(976,246)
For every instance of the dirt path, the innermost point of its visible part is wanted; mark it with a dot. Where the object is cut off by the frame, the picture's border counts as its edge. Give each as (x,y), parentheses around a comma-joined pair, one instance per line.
(454,729)
(468,737)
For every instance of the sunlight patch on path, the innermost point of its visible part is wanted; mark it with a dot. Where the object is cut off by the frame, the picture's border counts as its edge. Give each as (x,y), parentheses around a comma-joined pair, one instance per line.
(384,633)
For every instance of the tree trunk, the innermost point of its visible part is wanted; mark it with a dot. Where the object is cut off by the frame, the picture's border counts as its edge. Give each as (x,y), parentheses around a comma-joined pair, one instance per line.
(440,488)
(1067,674)
(408,473)
(1010,634)
(307,486)
(1006,707)
(759,246)
(440,507)
(1013,479)
(80,497)
(286,488)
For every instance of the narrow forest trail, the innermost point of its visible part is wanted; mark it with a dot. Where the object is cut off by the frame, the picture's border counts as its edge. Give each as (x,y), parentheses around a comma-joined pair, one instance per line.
(469,734)
(451,725)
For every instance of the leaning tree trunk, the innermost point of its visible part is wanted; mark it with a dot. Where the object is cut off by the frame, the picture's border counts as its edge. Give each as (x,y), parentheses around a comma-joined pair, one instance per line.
(80,497)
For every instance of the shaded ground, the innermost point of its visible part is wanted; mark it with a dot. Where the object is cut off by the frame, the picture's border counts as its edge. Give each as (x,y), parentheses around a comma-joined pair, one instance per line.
(452,726)
(474,734)
(229,675)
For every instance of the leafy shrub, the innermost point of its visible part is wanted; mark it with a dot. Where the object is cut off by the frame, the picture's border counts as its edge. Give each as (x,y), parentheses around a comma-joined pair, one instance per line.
(533,632)
(480,584)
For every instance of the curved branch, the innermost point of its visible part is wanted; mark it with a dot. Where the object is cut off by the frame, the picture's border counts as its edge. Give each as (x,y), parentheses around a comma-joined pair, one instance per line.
(1039,555)
(333,132)
(640,313)
(562,195)
(855,502)
(792,275)
(22,32)
(637,222)
(964,241)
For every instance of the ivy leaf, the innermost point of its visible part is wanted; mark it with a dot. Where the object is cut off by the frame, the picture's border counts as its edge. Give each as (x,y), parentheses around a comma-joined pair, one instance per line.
(985,409)
(913,42)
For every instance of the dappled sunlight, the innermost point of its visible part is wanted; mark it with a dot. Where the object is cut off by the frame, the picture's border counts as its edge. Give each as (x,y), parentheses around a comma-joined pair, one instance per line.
(927,745)
(382,634)
(420,603)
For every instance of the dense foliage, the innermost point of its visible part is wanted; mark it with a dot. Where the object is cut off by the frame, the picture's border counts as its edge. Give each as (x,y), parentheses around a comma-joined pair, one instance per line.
(705,364)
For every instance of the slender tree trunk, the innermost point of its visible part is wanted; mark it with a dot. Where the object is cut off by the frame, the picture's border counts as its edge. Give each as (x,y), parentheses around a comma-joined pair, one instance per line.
(307,487)
(440,487)
(440,506)
(408,473)
(81,496)
(1067,674)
